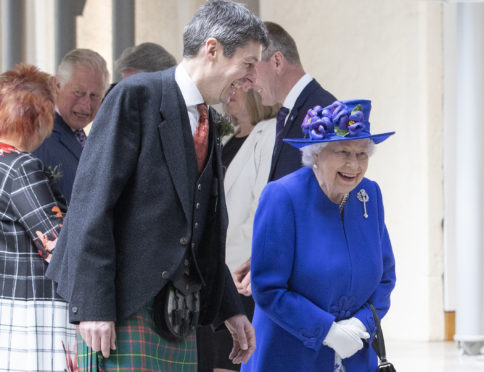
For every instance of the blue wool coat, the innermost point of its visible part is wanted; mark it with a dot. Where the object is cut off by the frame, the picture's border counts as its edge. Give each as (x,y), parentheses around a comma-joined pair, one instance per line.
(310,269)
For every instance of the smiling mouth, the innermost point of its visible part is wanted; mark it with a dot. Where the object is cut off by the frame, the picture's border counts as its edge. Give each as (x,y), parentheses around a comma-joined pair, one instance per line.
(81,115)
(347,176)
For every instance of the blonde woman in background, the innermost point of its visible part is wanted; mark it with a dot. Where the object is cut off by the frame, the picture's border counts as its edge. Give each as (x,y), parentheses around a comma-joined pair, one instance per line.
(246,157)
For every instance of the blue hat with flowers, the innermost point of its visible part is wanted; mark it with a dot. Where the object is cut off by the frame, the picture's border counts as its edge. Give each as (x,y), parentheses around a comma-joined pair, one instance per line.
(341,121)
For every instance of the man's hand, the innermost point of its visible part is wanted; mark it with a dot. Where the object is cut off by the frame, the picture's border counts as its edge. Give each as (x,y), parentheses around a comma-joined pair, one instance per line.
(242,279)
(99,336)
(243,335)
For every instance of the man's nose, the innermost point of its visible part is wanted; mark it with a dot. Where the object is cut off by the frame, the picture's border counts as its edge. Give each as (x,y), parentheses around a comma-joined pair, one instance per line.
(85,102)
(248,81)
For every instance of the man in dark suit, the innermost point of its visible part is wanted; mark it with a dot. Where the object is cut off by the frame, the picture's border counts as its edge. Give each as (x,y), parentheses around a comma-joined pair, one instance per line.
(147,219)
(281,79)
(82,79)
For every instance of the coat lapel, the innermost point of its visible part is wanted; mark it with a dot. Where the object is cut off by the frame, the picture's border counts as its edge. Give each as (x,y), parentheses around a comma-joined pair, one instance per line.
(172,139)
(67,137)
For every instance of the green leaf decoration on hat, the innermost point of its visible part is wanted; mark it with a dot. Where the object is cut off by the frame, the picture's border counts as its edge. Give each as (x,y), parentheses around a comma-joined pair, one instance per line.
(358,107)
(341,132)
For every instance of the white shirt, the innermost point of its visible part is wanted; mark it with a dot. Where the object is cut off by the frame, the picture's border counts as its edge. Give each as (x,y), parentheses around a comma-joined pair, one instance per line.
(295,92)
(190,93)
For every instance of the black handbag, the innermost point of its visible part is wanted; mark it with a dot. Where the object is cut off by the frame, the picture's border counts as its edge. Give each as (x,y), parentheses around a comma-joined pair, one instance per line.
(379,346)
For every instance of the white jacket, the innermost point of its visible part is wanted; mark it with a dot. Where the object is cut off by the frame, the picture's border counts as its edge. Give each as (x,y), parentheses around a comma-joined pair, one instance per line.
(244,180)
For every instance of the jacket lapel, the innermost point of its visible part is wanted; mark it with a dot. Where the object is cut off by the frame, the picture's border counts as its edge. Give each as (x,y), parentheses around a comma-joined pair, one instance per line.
(174,117)
(67,137)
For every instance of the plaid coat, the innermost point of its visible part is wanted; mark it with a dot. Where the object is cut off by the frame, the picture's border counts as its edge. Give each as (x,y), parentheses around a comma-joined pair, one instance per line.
(33,318)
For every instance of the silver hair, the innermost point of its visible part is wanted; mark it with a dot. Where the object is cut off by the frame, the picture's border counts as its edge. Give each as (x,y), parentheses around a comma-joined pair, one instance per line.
(231,23)
(82,57)
(308,152)
(147,57)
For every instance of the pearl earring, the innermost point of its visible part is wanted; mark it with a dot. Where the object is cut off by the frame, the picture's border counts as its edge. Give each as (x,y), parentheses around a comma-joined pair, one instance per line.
(315,166)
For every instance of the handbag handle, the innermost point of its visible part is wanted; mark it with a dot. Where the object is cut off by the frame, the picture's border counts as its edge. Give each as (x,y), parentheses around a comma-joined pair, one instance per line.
(378,342)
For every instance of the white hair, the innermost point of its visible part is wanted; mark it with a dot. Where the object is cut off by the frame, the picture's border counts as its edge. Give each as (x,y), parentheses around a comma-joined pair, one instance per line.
(308,152)
(82,57)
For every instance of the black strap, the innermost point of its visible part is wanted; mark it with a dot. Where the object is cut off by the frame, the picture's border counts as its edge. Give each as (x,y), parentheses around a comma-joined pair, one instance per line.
(378,342)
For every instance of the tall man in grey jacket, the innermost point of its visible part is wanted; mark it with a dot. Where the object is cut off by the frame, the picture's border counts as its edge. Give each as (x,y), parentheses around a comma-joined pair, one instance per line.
(148,211)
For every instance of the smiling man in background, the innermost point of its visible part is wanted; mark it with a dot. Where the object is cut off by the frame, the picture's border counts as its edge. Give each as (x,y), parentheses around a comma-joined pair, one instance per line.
(82,79)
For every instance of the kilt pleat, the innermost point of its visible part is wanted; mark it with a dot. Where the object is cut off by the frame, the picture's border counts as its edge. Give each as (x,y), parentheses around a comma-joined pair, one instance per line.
(140,348)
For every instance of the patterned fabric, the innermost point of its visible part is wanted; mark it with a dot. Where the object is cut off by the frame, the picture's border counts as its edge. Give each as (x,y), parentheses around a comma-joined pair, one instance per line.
(140,348)
(31,335)
(33,319)
(338,364)
(200,138)
(81,136)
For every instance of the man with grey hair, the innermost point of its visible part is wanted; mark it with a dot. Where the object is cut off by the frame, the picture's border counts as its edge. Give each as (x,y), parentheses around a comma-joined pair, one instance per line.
(82,80)
(141,256)
(281,79)
(145,57)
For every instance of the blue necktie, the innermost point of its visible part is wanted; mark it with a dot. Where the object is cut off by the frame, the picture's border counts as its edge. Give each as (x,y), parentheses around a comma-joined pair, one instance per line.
(281,119)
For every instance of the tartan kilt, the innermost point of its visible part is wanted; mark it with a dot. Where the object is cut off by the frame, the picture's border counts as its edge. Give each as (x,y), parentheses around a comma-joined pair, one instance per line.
(140,348)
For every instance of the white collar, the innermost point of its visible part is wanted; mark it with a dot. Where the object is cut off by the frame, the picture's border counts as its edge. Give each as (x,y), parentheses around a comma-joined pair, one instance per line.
(189,90)
(296,91)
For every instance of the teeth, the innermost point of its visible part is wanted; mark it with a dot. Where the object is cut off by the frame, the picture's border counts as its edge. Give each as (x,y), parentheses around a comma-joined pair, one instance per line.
(347,175)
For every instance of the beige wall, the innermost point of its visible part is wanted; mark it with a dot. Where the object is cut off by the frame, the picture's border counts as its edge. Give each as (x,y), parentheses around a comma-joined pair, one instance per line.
(389,52)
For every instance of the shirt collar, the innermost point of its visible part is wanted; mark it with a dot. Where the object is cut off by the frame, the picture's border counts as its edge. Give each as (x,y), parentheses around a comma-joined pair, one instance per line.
(296,91)
(189,90)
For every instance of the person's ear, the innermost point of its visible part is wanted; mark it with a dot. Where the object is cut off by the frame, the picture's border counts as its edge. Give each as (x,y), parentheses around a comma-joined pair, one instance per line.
(212,48)
(56,87)
(278,60)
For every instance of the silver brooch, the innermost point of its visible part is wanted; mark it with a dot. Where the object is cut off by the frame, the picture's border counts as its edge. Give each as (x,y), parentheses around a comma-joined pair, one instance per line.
(363,197)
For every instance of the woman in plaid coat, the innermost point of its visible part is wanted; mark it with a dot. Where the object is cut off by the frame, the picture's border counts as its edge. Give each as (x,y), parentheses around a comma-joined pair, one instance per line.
(33,319)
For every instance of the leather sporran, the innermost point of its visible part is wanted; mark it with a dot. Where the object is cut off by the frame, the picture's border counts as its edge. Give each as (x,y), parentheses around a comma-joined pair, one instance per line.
(176,313)
(379,345)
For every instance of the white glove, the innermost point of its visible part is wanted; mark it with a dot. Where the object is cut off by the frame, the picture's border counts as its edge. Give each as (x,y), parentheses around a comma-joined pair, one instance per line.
(355,322)
(345,339)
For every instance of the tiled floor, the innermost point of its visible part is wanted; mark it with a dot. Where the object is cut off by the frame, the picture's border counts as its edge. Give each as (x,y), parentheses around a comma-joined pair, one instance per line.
(431,357)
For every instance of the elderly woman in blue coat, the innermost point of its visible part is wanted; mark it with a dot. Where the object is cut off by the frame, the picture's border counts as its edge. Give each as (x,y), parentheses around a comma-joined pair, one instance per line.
(321,252)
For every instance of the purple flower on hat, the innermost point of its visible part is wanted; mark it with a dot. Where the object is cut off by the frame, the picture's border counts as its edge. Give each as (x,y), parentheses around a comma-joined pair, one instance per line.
(356,121)
(336,119)
(317,123)
(340,115)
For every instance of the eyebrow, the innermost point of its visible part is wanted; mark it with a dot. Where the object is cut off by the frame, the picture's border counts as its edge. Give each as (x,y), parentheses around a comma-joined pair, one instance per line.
(251,59)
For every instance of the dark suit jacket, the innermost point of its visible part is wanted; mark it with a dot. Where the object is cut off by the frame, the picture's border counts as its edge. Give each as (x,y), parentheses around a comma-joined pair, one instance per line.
(61,149)
(287,159)
(130,219)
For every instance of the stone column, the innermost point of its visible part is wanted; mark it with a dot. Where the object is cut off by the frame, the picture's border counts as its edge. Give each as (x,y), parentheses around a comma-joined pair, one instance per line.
(123,29)
(12,18)
(65,27)
(470,177)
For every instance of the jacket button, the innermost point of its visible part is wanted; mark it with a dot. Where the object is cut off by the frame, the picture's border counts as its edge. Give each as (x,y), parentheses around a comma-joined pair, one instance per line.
(199,186)
(197,205)
(196,225)
(184,241)
(165,274)
(75,309)
(193,245)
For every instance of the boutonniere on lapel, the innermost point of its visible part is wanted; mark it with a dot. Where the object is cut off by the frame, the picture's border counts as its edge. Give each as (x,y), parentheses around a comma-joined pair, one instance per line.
(363,197)
(224,124)
(54,173)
